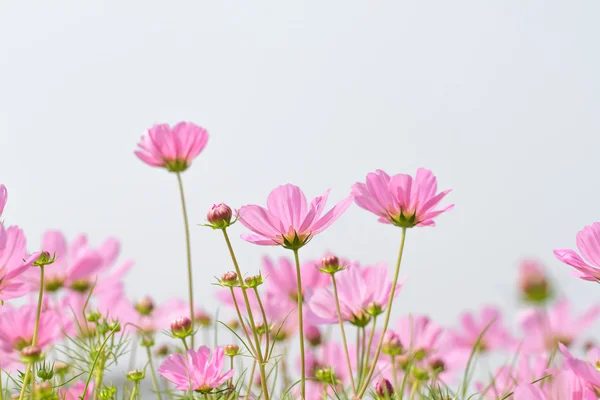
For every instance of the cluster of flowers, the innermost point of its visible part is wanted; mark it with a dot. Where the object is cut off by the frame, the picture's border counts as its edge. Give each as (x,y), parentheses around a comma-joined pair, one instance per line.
(69,320)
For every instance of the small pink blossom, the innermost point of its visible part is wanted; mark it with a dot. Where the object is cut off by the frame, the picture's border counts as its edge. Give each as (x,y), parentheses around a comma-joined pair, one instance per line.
(200,370)
(76,390)
(17,325)
(472,327)
(401,200)
(172,148)
(288,220)
(588,243)
(12,265)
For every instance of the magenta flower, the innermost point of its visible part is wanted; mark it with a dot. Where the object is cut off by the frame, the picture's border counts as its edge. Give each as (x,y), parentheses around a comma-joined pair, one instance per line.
(362,292)
(12,266)
(401,200)
(282,283)
(544,330)
(172,148)
(419,333)
(288,220)
(588,243)
(587,373)
(200,370)
(17,325)
(472,327)
(3,198)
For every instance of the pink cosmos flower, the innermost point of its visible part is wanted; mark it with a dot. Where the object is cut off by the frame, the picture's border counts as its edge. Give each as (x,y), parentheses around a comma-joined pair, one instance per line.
(12,266)
(76,266)
(288,220)
(507,377)
(17,325)
(586,372)
(75,391)
(588,243)
(172,148)
(496,336)
(362,291)
(282,284)
(544,330)
(401,200)
(200,370)
(3,198)
(329,355)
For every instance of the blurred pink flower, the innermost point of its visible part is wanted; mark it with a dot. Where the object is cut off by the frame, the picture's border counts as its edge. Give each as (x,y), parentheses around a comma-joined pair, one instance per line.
(544,330)
(506,378)
(3,198)
(361,291)
(419,333)
(496,336)
(289,221)
(586,372)
(588,243)
(282,283)
(329,355)
(200,370)
(17,325)
(172,148)
(533,282)
(76,390)
(401,200)
(12,263)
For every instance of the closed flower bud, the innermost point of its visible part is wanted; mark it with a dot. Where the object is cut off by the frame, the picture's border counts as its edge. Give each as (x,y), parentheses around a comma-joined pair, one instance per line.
(391,344)
(61,368)
(313,335)
(219,216)
(136,375)
(232,350)
(46,372)
(147,341)
(330,265)
(93,316)
(107,393)
(229,279)
(420,374)
(162,350)
(233,324)
(437,365)
(145,306)
(374,309)
(31,354)
(44,259)
(360,319)
(384,388)
(254,281)
(202,318)
(533,283)
(114,326)
(262,328)
(181,327)
(326,375)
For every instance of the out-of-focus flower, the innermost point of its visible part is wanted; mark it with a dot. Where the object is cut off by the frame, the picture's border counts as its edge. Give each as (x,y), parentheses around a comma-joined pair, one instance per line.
(401,200)
(544,330)
(288,220)
(588,243)
(76,390)
(506,378)
(12,264)
(533,283)
(172,148)
(3,198)
(490,320)
(200,370)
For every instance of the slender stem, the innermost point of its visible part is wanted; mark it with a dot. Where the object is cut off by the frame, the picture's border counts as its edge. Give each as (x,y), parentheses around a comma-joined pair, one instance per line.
(189,253)
(35,333)
(185,346)
(370,343)
(251,380)
(242,324)
(344,341)
(231,366)
(363,350)
(395,377)
(301,327)
(100,373)
(258,355)
(386,320)
(134,391)
(325,395)
(265,321)
(413,390)
(154,380)
(1,391)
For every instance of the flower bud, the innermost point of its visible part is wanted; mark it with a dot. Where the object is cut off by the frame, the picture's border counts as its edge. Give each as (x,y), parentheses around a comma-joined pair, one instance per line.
(437,365)
(533,283)
(60,368)
(46,372)
(262,328)
(232,350)
(136,375)
(326,375)
(233,324)
(114,326)
(181,327)
(44,259)
(107,393)
(31,354)
(229,279)
(202,318)
(420,374)
(254,281)
(94,316)
(360,319)
(147,341)
(313,335)
(145,306)
(374,309)
(81,285)
(219,216)
(391,344)
(330,265)
(384,388)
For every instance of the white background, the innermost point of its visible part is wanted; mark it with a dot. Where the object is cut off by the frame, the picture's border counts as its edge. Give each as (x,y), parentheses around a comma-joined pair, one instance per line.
(499,99)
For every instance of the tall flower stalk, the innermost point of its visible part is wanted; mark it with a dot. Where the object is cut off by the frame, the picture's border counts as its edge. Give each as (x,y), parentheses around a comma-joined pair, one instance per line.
(300,326)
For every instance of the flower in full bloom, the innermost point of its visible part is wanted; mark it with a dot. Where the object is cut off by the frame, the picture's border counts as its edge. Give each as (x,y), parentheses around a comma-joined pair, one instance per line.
(200,370)
(362,292)
(472,330)
(172,148)
(3,198)
(588,243)
(288,220)
(401,200)
(544,330)
(12,264)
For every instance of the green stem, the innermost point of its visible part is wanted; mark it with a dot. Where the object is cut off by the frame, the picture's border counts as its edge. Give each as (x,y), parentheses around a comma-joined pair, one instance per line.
(189,253)
(344,341)
(134,391)
(369,344)
(242,323)
(35,333)
(258,355)
(251,380)
(413,390)
(154,380)
(363,350)
(265,321)
(386,320)
(300,327)
(395,378)
(99,373)
(231,367)
(185,346)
